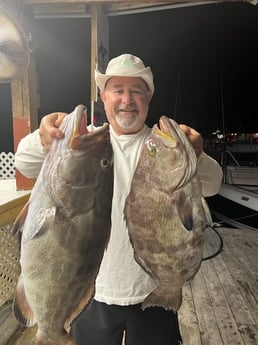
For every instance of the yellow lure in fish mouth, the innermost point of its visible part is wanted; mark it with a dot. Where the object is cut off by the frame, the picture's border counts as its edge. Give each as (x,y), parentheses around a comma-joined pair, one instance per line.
(164,138)
(164,135)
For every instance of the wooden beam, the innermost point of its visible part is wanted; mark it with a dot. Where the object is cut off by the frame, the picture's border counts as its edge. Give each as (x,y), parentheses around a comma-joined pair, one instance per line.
(100,2)
(147,2)
(99,49)
(132,5)
(94,54)
(60,8)
(113,7)
(25,100)
(25,114)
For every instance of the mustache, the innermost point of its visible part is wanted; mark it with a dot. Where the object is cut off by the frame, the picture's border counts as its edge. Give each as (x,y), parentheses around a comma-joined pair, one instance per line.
(127,109)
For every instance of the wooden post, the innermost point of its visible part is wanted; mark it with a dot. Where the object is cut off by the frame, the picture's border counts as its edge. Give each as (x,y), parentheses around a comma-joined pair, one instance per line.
(99,48)
(25,114)
(24,101)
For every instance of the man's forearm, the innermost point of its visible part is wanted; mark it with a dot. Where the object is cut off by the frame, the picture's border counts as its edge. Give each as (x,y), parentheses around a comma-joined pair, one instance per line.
(30,155)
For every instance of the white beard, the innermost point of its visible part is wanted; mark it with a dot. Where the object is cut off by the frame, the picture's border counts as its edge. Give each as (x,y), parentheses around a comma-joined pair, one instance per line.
(126,121)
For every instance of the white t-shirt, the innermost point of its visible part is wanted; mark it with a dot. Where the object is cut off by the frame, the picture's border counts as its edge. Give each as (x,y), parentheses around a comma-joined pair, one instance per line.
(121,280)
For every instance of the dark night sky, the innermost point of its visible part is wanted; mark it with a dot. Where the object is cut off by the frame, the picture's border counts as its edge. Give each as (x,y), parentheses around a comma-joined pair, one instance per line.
(191,50)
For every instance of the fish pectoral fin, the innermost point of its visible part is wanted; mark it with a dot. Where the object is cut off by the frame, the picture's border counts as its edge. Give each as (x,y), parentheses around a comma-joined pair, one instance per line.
(83,303)
(42,222)
(161,297)
(21,307)
(20,219)
(185,211)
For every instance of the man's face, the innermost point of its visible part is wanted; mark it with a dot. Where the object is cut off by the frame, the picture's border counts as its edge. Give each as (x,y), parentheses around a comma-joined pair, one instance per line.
(126,101)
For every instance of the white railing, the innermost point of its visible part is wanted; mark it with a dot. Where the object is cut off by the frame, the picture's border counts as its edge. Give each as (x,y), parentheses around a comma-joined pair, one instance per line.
(7,169)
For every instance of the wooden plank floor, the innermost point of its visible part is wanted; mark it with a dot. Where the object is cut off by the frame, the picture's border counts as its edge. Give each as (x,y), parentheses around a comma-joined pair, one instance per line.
(220,305)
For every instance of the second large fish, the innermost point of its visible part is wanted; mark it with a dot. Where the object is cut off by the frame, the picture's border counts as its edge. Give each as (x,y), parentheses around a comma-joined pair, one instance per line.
(165,213)
(65,229)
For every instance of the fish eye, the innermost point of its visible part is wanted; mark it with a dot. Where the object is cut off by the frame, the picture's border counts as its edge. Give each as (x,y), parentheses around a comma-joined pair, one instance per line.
(104,162)
(152,150)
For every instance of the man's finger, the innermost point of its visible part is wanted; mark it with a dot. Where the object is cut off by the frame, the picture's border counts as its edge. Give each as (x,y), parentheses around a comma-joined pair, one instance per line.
(48,129)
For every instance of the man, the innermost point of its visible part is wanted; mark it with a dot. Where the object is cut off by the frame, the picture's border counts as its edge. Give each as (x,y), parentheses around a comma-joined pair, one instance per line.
(126,90)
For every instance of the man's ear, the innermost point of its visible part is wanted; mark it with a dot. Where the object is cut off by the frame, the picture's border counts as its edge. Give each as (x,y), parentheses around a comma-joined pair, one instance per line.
(149,95)
(102,96)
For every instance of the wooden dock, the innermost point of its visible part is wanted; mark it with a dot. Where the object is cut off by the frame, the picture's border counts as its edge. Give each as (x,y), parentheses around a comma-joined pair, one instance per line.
(220,305)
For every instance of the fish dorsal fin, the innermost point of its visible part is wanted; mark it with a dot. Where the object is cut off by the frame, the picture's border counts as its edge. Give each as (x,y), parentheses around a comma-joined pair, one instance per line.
(21,307)
(20,219)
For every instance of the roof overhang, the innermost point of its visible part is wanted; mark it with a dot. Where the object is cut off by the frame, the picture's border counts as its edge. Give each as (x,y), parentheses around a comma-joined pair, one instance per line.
(113,7)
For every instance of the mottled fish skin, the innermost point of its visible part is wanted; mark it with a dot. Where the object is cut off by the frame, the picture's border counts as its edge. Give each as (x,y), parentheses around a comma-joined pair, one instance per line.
(165,215)
(65,232)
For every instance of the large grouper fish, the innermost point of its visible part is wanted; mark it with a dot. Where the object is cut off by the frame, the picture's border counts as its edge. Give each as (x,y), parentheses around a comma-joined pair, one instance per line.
(65,229)
(166,213)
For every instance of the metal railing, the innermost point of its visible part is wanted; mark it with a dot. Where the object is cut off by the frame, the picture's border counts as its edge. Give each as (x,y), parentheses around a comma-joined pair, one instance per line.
(7,168)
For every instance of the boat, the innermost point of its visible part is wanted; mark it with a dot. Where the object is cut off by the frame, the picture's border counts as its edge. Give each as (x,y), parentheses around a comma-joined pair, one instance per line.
(236,203)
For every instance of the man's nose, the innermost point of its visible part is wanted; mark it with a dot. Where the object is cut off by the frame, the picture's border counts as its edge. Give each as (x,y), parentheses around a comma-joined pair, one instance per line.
(127,98)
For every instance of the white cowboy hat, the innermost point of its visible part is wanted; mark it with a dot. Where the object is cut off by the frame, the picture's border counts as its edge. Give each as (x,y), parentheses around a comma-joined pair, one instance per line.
(125,65)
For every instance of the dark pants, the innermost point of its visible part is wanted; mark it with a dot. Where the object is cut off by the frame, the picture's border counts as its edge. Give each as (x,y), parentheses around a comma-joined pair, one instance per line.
(103,324)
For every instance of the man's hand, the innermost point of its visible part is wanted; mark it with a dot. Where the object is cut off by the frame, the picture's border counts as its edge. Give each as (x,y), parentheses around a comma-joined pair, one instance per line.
(49,129)
(194,137)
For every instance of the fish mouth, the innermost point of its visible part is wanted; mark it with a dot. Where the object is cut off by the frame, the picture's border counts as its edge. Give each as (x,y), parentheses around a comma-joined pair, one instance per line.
(165,131)
(83,138)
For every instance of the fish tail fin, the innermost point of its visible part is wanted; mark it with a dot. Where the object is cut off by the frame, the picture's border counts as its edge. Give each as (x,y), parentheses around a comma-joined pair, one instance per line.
(161,298)
(21,307)
(20,219)
(65,339)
